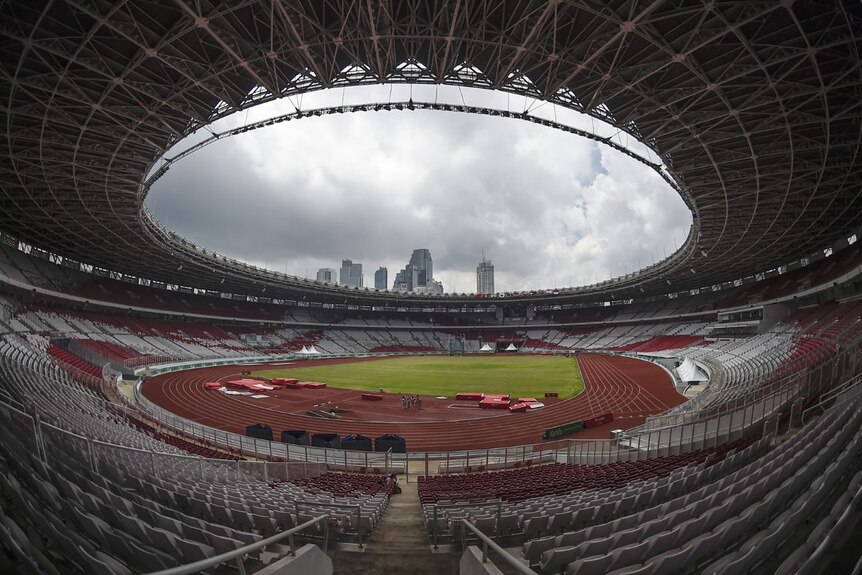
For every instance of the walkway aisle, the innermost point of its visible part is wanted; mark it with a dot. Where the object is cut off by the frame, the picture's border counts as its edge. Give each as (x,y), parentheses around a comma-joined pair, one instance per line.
(399,545)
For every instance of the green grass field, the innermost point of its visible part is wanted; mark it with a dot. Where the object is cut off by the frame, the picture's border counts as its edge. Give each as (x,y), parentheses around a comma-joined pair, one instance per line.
(530,376)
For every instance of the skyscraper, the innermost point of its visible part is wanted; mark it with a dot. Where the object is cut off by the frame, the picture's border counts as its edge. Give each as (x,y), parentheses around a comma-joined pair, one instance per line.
(351,274)
(381,278)
(485,276)
(328,275)
(433,287)
(407,279)
(419,272)
(421,260)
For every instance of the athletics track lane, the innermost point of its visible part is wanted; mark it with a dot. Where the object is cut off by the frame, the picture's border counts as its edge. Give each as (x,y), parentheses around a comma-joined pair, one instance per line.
(630,389)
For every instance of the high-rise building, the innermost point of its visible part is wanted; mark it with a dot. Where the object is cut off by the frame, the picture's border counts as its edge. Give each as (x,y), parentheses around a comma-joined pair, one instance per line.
(407,279)
(328,275)
(381,278)
(433,287)
(419,272)
(485,277)
(421,260)
(351,274)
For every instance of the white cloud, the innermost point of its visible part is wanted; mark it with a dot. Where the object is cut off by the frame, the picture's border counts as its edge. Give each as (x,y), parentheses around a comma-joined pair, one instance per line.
(549,208)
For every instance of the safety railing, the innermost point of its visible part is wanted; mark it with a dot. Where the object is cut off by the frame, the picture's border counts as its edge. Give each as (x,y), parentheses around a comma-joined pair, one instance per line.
(436,517)
(146,360)
(680,436)
(353,510)
(640,444)
(53,445)
(846,360)
(239,553)
(849,388)
(487,543)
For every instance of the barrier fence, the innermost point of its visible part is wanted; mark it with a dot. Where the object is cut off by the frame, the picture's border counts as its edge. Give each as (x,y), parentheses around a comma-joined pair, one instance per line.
(845,364)
(53,444)
(748,413)
(103,458)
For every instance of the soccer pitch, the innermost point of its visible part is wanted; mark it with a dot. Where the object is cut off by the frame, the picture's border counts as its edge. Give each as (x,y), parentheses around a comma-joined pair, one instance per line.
(518,376)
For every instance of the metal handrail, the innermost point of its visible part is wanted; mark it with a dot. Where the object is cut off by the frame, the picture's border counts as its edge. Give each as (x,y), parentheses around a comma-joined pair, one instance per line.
(488,542)
(435,532)
(238,553)
(357,509)
(753,396)
(775,394)
(833,393)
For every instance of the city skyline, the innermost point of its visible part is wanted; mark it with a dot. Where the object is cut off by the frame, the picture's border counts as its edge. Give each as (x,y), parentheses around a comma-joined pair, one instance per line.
(416,276)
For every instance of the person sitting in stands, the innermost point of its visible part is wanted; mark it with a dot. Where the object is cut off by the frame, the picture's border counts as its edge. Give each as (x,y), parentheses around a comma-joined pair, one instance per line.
(391,483)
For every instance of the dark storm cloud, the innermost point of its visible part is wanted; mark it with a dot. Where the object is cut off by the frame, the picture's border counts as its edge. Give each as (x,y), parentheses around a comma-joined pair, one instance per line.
(549,208)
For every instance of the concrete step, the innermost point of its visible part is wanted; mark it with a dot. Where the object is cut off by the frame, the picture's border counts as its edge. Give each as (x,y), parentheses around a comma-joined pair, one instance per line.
(398,545)
(346,563)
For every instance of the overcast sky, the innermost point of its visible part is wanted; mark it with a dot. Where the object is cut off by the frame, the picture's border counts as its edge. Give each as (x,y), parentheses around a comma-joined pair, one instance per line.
(548,208)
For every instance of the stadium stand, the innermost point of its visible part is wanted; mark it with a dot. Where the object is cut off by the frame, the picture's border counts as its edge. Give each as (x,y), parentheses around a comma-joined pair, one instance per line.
(748,110)
(562,514)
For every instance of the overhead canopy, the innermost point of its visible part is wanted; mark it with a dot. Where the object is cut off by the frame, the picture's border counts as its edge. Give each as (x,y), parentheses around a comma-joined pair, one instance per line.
(175,66)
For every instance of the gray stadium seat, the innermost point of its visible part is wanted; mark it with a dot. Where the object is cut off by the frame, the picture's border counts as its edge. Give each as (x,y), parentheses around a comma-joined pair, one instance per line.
(593,565)
(101,564)
(628,555)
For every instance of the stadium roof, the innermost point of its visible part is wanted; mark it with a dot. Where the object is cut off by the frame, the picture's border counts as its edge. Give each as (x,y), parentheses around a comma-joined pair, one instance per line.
(755,108)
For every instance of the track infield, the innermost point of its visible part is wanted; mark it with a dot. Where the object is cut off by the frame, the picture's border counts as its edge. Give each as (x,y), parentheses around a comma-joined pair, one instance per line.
(530,376)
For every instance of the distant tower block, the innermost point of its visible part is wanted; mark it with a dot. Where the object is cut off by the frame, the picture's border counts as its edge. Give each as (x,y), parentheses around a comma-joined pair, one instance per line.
(485,276)
(350,274)
(381,278)
(328,275)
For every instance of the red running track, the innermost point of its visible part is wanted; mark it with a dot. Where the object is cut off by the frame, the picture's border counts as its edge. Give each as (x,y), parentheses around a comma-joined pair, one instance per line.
(630,389)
